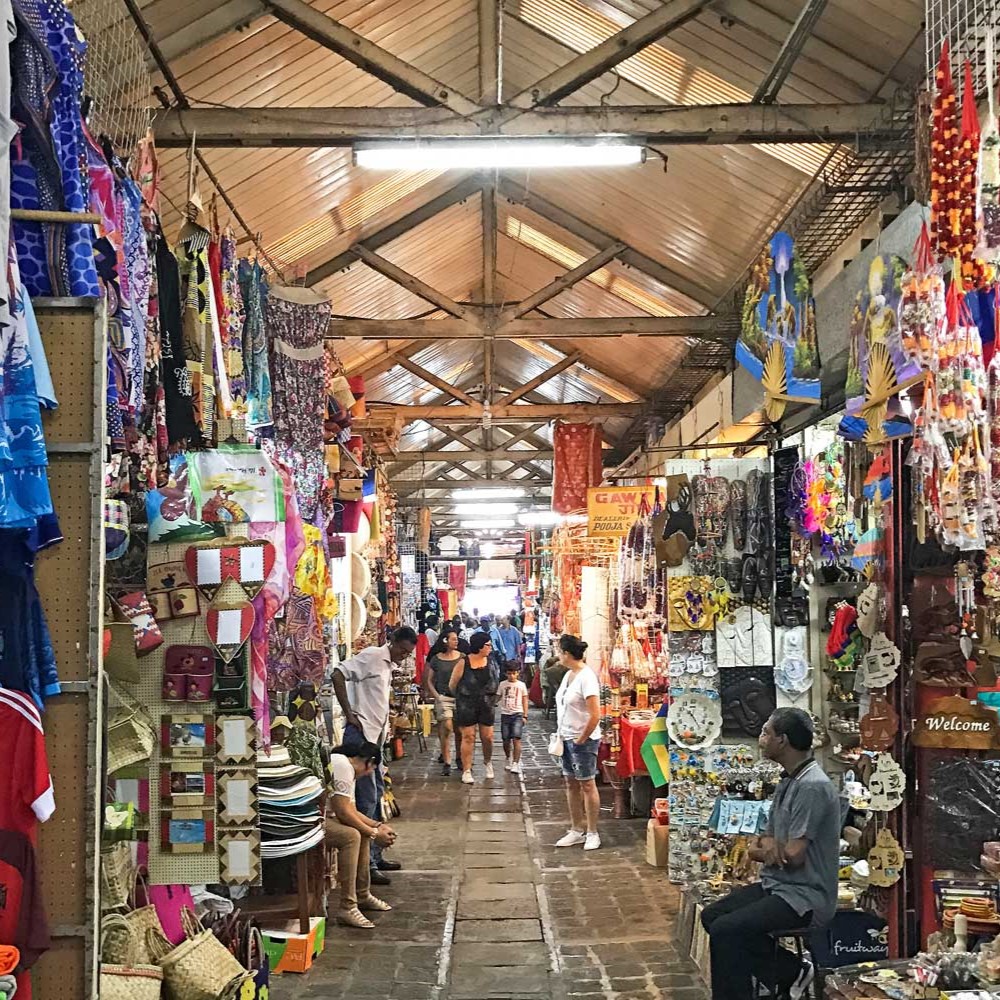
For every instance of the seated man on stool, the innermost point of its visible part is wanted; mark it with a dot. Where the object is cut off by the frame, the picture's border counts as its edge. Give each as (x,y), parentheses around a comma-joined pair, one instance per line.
(798,887)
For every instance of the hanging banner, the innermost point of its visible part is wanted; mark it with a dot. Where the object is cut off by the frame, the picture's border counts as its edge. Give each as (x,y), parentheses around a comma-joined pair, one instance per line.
(612,510)
(777,343)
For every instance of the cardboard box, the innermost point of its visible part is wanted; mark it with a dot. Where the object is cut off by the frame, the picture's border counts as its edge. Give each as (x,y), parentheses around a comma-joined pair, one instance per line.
(657,844)
(290,951)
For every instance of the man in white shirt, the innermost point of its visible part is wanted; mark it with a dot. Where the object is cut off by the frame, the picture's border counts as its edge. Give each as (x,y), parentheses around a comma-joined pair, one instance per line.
(362,685)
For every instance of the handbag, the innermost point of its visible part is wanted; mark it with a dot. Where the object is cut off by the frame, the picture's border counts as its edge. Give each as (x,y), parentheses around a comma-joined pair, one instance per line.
(200,967)
(141,919)
(117,875)
(130,737)
(170,902)
(556,745)
(255,958)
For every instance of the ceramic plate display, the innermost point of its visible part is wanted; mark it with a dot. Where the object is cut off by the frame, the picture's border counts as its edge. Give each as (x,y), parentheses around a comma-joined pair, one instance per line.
(361,574)
(694,720)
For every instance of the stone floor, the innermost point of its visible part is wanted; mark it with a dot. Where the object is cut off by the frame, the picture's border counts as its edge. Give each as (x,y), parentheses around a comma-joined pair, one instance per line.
(486,907)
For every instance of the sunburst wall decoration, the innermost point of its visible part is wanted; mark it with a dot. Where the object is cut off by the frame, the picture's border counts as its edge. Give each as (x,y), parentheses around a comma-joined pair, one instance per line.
(777,343)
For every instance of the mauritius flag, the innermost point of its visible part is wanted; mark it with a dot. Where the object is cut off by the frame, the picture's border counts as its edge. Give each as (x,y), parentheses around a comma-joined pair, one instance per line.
(654,749)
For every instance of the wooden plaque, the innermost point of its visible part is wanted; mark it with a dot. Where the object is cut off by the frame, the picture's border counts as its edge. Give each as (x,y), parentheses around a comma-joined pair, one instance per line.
(957,724)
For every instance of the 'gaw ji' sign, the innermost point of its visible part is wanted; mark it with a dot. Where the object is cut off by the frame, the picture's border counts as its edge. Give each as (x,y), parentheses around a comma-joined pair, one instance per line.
(956,724)
(612,510)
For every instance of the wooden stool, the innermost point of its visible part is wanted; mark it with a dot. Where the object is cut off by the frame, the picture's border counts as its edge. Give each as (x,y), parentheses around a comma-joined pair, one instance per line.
(800,936)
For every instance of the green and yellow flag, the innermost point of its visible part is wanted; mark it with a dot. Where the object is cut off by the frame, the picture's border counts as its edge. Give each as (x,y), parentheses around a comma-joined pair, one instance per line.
(655,752)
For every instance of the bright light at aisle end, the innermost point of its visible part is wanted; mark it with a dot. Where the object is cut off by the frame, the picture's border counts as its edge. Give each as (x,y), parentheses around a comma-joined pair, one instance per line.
(540,518)
(495,154)
(501,493)
(491,525)
(486,508)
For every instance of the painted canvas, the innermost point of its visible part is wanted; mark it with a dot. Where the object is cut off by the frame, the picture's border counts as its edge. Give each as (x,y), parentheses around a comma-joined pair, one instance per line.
(777,343)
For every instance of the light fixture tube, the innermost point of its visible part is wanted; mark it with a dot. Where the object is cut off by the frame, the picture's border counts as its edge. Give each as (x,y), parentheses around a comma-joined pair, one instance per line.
(492,154)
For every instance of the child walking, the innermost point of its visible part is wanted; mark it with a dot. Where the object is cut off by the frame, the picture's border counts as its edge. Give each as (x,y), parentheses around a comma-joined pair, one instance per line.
(513,697)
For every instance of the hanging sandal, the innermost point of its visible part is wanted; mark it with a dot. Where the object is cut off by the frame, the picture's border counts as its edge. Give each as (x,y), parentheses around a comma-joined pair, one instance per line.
(372,904)
(354,918)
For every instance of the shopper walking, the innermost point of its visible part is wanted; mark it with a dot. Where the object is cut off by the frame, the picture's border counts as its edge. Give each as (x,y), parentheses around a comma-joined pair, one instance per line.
(441,663)
(474,685)
(578,711)
(362,685)
(350,833)
(798,886)
(513,698)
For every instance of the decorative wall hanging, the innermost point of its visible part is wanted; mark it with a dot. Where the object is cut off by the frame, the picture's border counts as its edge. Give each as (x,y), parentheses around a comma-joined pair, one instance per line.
(793,674)
(236,739)
(187,831)
(229,627)
(886,784)
(941,664)
(879,725)
(576,467)
(170,512)
(186,783)
(869,610)
(748,699)
(777,343)
(239,856)
(954,723)
(187,736)
(694,720)
(235,484)
(247,561)
(885,860)
(170,591)
(878,366)
(689,606)
(237,796)
(880,665)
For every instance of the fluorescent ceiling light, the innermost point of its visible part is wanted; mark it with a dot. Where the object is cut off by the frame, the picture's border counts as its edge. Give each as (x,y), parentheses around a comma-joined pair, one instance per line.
(486,508)
(501,492)
(486,525)
(540,518)
(495,154)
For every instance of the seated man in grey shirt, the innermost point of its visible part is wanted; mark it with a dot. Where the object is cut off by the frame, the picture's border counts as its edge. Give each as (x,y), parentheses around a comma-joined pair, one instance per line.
(798,886)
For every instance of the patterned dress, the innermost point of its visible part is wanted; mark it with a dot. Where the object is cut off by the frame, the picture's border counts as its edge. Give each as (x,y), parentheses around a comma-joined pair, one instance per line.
(298,373)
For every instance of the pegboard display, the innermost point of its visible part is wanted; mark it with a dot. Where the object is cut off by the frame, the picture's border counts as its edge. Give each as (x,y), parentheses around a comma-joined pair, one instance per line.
(965,24)
(69,580)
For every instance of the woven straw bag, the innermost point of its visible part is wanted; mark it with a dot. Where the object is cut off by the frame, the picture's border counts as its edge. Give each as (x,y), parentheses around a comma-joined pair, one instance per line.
(122,977)
(200,968)
(131,982)
(142,919)
(130,738)
(117,875)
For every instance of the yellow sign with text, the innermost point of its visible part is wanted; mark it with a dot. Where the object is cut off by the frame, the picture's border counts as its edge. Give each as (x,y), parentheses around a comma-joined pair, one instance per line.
(612,510)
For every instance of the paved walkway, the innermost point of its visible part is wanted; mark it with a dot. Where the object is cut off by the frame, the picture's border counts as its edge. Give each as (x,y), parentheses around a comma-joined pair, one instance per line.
(486,907)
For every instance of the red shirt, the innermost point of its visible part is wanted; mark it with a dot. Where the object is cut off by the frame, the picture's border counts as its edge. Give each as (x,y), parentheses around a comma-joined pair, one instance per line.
(22,915)
(26,796)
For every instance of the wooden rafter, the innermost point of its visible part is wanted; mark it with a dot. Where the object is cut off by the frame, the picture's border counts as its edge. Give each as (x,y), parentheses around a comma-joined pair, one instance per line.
(520,195)
(367,55)
(564,281)
(658,125)
(498,454)
(412,283)
(431,379)
(408,487)
(490,53)
(542,377)
(517,413)
(544,328)
(597,61)
(467,187)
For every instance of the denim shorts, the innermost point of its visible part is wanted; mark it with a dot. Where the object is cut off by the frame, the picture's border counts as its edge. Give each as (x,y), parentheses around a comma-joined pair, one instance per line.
(511,727)
(580,762)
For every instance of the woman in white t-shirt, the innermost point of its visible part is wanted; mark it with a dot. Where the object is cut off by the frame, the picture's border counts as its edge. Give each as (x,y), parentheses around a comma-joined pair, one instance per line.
(578,710)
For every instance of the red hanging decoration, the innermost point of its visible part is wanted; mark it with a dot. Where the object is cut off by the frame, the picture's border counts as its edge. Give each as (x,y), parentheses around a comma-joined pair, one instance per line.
(967,189)
(944,167)
(577,465)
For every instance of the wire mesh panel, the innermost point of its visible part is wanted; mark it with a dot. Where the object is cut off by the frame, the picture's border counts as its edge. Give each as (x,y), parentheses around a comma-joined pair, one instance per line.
(965,24)
(115,75)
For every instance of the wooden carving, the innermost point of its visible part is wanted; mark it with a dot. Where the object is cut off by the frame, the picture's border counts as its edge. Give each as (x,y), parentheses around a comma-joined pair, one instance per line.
(880,725)
(885,860)
(957,724)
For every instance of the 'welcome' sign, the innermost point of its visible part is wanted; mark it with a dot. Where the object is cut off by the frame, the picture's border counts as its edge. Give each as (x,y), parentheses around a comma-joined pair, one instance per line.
(956,724)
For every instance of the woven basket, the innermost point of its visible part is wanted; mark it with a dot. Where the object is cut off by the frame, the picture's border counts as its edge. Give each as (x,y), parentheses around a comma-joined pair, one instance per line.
(200,968)
(117,875)
(118,941)
(142,919)
(131,982)
(130,738)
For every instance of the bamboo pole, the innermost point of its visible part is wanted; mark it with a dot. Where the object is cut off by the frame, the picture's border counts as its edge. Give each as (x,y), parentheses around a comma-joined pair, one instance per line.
(41,215)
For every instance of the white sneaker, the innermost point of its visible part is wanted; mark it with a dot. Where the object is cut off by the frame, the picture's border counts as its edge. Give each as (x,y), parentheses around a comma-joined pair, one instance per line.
(800,988)
(489,770)
(592,842)
(508,766)
(572,839)
(466,777)
(516,768)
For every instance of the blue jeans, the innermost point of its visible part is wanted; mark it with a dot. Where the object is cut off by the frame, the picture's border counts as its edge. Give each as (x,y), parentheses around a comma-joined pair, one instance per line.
(368,793)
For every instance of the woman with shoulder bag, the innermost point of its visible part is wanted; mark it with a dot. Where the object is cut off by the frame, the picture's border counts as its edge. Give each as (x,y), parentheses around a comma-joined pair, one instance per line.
(474,685)
(578,711)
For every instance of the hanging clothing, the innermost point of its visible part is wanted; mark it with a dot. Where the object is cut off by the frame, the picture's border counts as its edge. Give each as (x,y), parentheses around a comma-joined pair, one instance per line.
(258,373)
(192,263)
(26,791)
(232,318)
(47,59)
(24,483)
(298,391)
